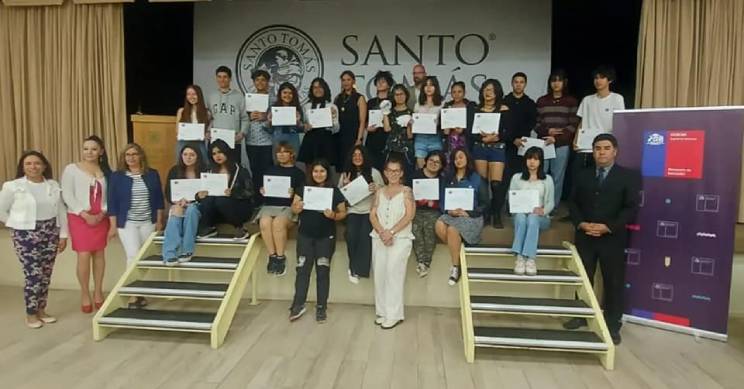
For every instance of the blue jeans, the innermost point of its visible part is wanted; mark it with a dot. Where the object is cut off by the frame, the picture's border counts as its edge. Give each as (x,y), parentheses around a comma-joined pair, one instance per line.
(424,143)
(557,169)
(180,233)
(527,232)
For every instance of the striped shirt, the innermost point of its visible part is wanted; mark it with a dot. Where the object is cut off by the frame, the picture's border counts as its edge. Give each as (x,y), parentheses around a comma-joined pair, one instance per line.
(139,211)
(557,113)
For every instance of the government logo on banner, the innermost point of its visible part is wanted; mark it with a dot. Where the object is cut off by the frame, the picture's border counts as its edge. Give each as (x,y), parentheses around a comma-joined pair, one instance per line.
(673,154)
(287,53)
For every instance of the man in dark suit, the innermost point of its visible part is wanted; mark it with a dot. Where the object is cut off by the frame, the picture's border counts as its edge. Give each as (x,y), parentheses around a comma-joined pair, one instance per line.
(604,198)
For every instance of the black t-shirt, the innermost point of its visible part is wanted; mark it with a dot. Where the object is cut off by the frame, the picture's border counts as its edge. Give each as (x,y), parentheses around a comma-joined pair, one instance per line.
(297,178)
(314,224)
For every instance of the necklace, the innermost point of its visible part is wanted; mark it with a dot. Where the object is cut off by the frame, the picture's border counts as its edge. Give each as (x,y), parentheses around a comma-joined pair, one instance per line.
(345,100)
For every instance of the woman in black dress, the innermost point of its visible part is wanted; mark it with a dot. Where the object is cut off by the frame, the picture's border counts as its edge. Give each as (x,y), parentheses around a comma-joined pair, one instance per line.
(352,117)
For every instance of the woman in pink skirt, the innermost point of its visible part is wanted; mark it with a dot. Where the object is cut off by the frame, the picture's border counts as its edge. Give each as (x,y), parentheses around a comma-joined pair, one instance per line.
(84,192)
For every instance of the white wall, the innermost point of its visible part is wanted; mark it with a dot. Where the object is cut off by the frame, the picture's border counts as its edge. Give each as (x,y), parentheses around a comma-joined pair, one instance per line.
(515,34)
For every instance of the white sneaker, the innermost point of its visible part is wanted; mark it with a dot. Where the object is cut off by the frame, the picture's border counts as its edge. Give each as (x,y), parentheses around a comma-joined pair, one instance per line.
(389,324)
(353,278)
(454,276)
(519,265)
(379,320)
(530,268)
(423,270)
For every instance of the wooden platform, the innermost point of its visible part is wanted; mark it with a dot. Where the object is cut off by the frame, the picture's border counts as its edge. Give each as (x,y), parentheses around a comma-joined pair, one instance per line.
(264,350)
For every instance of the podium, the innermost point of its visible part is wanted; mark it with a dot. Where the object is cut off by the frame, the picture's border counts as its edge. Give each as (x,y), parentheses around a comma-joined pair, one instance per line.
(157,136)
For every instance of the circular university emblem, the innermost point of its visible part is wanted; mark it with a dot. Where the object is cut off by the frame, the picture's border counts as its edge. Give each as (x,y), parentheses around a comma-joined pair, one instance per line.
(286,53)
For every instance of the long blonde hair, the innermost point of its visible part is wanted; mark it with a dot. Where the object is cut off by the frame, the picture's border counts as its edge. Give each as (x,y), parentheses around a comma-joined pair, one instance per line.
(121,163)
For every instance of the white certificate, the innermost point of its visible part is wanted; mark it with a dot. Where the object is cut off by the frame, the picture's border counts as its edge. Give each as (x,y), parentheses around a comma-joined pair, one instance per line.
(424,123)
(374,118)
(277,186)
(226,135)
(462,198)
(548,150)
(184,189)
(356,191)
(256,102)
(190,131)
(426,189)
(524,200)
(214,183)
(283,116)
(403,120)
(586,138)
(487,123)
(320,117)
(454,117)
(317,198)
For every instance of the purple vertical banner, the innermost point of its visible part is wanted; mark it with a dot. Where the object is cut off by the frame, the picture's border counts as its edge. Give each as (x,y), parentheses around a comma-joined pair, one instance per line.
(681,248)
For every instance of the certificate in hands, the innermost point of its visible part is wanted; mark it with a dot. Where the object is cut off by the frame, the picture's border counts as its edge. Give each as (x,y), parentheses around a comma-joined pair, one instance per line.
(184,189)
(586,138)
(277,186)
(454,117)
(523,200)
(403,120)
(214,183)
(190,131)
(426,189)
(374,118)
(487,123)
(317,198)
(320,117)
(283,116)
(256,102)
(228,136)
(356,191)
(462,198)
(548,150)
(424,123)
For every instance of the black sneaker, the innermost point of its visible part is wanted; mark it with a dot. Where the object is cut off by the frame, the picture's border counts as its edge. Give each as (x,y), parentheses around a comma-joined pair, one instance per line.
(320,314)
(574,323)
(271,264)
(296,312)
(240,233)
(206,232)
(496,222)
(281,265)
(616,338)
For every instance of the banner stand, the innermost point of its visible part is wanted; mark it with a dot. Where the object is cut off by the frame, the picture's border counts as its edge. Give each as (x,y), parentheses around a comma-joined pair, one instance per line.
(697,333)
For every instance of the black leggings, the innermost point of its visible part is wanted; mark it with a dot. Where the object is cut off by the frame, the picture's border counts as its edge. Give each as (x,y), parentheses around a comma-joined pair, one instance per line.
(216,209)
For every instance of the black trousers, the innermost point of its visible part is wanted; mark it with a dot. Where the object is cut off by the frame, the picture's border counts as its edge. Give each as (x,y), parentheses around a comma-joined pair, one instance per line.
(260,158)
(313,252)
(216,209)
(609,252)
(359,243)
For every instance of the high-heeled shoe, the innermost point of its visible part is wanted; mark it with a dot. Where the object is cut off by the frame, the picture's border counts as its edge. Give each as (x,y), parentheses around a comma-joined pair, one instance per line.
(86,308)
(98,304)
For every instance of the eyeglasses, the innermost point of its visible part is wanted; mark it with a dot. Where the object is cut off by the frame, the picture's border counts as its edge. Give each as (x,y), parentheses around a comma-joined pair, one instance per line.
(131,154)
(435,161)
(393,171)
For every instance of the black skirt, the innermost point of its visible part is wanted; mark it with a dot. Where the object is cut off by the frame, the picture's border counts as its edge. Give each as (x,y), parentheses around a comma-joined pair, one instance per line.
(318,143)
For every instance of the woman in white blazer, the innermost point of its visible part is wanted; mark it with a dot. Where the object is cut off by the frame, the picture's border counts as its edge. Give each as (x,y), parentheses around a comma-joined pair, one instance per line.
(32,207)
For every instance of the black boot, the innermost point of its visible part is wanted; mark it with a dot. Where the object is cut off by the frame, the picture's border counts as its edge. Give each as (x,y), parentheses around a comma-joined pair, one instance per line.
(497,202)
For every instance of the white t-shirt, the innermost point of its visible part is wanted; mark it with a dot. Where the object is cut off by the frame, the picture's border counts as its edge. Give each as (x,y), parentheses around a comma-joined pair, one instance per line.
(596,112)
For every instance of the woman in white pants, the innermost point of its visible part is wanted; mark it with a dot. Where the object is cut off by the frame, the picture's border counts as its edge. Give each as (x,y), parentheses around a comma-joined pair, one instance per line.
(391,215)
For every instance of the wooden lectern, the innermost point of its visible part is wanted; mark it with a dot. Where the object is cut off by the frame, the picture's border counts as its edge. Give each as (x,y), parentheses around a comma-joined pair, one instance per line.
(157,136)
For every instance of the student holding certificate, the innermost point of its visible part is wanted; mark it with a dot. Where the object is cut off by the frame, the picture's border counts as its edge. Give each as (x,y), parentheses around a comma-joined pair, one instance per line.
(376,136)
(236,206)
(227,108)
(275,217)
(358,227)
(184,215)
(457,224)
(194,110)
(259,140)
(489,148)
(318,142)
(352,118)
(316,242)
(527,226)
(287,97)
(427,212)
(398,126)
(458,137)
(429,102)
(391,215)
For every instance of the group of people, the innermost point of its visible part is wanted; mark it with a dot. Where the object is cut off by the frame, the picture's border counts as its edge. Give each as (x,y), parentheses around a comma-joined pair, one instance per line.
(94,204)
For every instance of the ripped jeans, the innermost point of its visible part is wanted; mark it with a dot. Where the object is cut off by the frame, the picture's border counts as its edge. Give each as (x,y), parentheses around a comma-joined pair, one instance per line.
(313,252)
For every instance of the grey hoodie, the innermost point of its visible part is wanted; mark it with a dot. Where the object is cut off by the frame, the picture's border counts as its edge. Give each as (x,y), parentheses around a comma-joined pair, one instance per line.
(228,110)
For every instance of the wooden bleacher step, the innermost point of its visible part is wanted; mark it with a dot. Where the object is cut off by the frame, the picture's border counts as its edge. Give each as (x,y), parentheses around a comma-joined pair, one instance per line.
(179,289)
(530,305)
(486,274)
(542,339)
(196,263)
(159,320)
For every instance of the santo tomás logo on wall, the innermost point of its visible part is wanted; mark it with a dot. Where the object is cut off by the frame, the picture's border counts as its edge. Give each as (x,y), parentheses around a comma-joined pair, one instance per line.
(288,54)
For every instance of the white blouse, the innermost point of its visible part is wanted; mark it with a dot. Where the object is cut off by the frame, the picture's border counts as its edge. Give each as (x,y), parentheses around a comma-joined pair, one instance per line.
(76,189)
(23,203)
